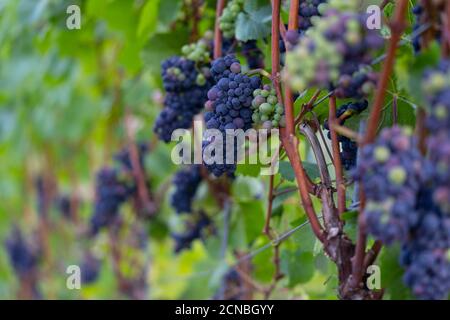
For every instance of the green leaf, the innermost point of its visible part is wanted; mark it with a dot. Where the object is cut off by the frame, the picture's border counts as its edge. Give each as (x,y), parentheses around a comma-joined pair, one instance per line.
(246,169)
(148,19)
(168,12)
(253,24)
(351,224)
(392,274)
(247,189)
(409,70)
(161,46)
(287,172)
(298,266)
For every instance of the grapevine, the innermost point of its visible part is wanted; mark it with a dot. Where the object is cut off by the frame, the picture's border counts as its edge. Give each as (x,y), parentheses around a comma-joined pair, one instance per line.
(225,150)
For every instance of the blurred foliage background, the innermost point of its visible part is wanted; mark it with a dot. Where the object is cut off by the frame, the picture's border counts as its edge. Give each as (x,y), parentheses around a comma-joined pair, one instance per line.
(66,97)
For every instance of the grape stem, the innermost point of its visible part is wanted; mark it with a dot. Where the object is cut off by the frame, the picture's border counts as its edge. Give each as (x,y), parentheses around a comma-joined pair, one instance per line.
(289,141)
(137,170)
(217,33)
(340,185)
(262,72)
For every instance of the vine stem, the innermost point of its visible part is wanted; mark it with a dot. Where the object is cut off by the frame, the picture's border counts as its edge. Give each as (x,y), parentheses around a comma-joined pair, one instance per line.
(137,169)
(269,206)
(397,27)
(340,184)
(290,143)
(217,34)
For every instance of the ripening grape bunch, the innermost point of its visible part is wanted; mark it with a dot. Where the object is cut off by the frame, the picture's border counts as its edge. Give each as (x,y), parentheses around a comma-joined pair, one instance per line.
(348,72)
(228,108)
(262,196)
(186,89)
(391,171)
(186,183)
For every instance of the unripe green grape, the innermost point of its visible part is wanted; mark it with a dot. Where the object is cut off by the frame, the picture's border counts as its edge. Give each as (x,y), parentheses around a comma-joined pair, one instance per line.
(201,80)
(265,93)
(272,99)
(266,108)
(264,117)
(279,109)
(257,92)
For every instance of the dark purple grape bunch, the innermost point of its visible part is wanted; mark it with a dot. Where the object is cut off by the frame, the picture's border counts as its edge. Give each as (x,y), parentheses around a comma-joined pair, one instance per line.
(306,10)
(23,257)
(436,84)
(186,89)
(425,256)
(186,183)
(228,106)
(178,74)
(64,206)
(123,157)
(349,147)
(233,286)
(437,92)
(253,55)
(110,193)
(391,172)
(194,229)
(90,268)
(358,85)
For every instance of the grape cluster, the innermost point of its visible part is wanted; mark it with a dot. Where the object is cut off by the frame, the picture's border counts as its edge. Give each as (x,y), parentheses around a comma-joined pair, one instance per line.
(308,9)
(63,205)
(267,111)
(110,193)
(391,171)
(228,106)
(194,231)
(253,55)
(337,48)
(437,92)
(22,256)
(186,182)
(123,157)
(412,212)
(186,93)
(233,286)
(199,51)
(90,268)
(436,84)
(349,147)
(229,17)
(425,256)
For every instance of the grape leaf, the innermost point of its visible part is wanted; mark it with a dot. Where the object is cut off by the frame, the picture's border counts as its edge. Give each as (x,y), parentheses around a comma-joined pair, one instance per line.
(253,23)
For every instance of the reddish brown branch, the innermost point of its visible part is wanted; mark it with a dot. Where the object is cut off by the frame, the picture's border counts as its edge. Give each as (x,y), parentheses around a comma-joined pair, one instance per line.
(397,27)
(372,254)
(137,169)
(217,33)
(307,107)
(270,198)
(293,15)
(340,183)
